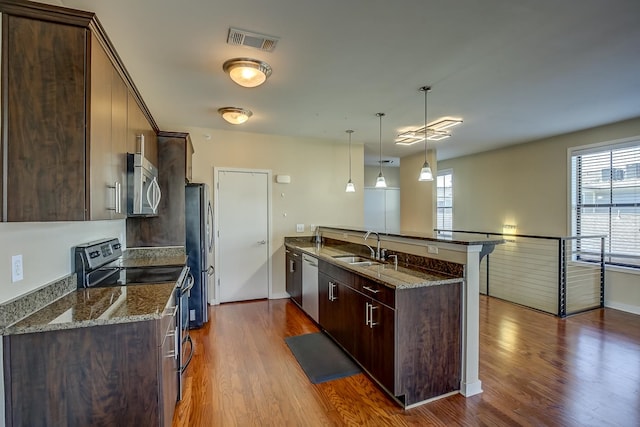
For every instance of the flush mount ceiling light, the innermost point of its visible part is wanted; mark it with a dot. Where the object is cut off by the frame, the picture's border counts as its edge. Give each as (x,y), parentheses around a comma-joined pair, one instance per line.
(247,72)
(380,182)
(235,115)
(350,187)
(425,172)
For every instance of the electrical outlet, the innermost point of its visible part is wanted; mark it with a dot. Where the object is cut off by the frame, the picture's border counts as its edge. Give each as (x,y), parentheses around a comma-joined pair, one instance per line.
(300,228)
(17,273)
(432,249)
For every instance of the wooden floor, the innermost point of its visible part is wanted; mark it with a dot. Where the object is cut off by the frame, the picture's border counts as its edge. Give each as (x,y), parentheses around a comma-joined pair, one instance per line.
(536,370)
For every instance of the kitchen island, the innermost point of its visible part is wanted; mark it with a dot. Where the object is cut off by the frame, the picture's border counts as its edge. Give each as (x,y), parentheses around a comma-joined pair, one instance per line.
(423,261)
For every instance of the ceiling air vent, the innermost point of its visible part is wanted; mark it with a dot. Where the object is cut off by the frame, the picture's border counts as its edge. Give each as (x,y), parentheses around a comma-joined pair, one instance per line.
(255,40)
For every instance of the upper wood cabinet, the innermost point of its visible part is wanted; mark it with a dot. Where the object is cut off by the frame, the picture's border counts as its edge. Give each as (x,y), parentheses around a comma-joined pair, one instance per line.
(70,115)
(174,170)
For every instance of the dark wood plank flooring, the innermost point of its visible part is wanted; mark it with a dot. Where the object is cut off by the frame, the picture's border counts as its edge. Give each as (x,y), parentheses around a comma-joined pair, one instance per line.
(537,370)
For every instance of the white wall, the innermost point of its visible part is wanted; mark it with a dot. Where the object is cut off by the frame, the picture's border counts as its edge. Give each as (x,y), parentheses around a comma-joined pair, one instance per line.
(527,185)
(319,171)
(46,250)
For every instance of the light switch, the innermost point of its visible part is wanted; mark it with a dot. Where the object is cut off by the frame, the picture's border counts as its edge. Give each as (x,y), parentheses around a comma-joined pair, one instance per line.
(300,228)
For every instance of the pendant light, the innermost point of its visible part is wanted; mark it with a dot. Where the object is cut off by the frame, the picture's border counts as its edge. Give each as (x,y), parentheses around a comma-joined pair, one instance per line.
(380,182)
(350,187)
(425,172)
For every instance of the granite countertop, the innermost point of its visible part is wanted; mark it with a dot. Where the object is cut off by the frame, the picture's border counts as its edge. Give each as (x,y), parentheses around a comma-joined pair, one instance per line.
(99,306)
(384,273)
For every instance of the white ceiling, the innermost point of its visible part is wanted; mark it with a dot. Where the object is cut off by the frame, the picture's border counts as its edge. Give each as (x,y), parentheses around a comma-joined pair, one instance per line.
(513,70)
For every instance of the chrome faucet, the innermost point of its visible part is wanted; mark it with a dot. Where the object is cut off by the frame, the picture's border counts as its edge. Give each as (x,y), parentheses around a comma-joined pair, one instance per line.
(375,254)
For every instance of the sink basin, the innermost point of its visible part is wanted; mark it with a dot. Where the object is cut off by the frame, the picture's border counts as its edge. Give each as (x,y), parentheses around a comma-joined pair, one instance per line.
(356,260)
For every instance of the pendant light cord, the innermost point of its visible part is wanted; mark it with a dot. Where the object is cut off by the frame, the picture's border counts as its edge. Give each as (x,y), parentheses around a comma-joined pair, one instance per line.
(349,132)
(380,160)
(425,89)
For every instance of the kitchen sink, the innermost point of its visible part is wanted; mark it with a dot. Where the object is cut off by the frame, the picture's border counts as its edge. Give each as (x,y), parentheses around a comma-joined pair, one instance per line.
(356,260)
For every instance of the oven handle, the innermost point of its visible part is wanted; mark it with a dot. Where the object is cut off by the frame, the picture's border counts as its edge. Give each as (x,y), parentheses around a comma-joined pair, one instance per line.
(186,288)
(184,367)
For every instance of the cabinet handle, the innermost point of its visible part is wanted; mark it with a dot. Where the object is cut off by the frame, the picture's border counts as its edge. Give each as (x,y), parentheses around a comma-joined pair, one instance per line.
(115,197)
(371,322)
(291,265)
(331,287)
(295,255)
(333,291)
(366,313)
(375,291)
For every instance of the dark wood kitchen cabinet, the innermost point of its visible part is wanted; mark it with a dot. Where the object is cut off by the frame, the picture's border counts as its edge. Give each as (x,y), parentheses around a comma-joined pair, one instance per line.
(408,339)
(293,278)
(139,126)
(174,167)
(66,99)
(121,374)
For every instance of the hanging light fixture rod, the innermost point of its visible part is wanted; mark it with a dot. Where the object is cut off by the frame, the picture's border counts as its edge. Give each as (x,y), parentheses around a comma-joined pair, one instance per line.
(380,181)
(350,186)
(425,172)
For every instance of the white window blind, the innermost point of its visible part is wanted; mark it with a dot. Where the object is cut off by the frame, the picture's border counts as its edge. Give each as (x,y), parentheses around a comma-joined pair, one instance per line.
(605,199)
(444,212)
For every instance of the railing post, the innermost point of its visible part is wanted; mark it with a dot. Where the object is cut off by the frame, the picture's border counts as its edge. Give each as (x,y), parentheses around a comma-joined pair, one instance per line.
(562,279)
(602,272)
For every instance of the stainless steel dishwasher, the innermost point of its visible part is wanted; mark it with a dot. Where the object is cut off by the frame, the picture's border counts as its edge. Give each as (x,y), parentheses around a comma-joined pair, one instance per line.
(310,286)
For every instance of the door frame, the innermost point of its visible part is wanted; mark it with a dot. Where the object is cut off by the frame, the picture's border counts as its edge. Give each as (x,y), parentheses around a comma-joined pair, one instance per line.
(216,227)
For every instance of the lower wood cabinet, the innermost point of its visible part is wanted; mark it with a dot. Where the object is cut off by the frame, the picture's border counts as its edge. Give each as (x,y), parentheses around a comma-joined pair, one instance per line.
(294,275)
(123,374)
(408,340)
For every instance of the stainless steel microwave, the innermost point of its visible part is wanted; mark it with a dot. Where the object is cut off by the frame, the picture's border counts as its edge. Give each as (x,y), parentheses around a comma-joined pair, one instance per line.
(143,190)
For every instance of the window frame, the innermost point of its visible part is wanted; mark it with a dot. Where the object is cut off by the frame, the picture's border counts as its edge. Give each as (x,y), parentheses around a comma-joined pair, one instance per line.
(440,173)
(573,194)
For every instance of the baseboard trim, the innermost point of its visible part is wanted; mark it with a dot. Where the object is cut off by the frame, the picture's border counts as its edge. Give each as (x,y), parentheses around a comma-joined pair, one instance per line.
(281,295)
(633,309)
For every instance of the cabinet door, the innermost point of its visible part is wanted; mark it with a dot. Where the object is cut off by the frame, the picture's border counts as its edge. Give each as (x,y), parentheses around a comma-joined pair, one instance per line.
(119,93)
(44,120)
(169,374)
(294,275)
(139,125)
(102,182)
(382,344)
(297,278)
(329,305)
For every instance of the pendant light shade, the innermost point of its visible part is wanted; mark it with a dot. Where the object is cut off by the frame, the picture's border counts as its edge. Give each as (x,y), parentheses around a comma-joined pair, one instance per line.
(380,181)
(350,187)
(425,172)
(247,72)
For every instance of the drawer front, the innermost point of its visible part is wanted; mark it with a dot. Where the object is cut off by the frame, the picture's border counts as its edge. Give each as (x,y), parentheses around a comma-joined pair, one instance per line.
(377,291)
(340,274)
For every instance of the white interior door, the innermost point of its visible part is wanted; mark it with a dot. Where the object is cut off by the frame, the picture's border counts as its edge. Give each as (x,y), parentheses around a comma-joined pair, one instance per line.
(243,235)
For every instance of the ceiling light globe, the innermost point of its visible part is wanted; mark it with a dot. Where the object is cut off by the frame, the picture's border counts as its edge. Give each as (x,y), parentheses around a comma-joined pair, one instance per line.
(247,72)
(235,115)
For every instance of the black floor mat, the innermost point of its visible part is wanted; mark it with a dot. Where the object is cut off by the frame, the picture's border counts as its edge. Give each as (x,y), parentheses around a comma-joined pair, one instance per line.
(320,358)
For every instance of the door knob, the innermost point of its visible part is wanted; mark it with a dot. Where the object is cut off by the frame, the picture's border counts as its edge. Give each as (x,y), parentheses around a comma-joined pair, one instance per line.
(262,242)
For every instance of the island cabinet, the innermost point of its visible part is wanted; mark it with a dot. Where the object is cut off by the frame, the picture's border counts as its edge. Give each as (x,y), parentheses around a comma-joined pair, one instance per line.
(68,105)
(117,374)
(408,340)
(293,278)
